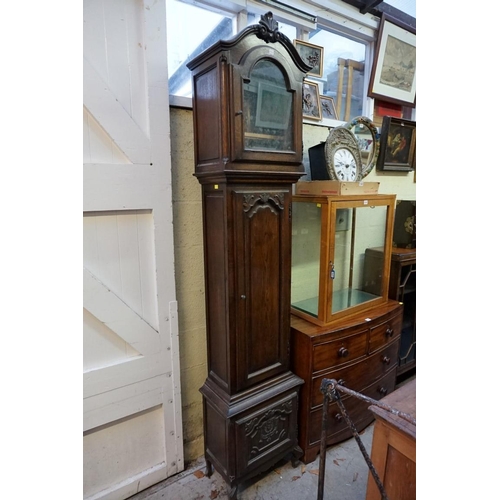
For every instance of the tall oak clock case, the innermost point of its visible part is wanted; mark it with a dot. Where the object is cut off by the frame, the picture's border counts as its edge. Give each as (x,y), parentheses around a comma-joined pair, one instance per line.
(247,108)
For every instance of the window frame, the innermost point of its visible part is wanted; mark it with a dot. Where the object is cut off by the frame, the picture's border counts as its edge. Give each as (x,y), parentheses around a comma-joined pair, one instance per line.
(330,15)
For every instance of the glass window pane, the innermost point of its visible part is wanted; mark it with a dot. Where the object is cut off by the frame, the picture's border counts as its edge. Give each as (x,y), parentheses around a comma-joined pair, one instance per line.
(205,28)
(344,63)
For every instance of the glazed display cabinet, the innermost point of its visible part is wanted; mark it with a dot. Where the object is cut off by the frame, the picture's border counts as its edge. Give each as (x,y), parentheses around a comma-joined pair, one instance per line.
(330,235)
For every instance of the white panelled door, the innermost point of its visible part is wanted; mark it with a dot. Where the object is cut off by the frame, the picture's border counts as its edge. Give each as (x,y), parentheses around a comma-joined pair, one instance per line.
(132,403)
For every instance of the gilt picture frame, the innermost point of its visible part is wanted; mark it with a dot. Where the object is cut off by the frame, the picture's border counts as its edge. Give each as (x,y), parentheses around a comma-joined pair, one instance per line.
(398,141)
(312,55)
(393,76)
(328,109)
(311,104)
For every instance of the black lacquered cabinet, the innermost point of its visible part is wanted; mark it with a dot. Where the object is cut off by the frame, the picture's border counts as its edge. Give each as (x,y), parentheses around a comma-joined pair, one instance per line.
(402,287)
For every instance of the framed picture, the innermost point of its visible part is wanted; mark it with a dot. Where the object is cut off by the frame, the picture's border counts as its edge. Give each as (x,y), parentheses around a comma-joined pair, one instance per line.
(393,76)
(311,105)
(398,140)
(274,106)
(312,55)
(328,107)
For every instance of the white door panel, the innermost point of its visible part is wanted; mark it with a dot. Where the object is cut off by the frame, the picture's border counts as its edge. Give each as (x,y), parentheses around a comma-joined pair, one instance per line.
(106,108)
(131,351)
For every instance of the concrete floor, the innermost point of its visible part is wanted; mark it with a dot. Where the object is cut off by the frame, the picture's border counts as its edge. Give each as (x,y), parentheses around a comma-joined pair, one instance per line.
(346,475)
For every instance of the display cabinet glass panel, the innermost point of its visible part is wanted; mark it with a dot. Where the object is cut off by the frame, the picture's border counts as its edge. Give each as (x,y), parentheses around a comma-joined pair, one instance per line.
(330,235)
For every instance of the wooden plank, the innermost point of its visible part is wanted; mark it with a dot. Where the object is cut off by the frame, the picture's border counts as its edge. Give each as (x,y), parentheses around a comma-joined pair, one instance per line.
(117,58)
(103,408)
(131,250)
(118,187)
(100,144)
(105,380)
(106,108)
(147,262)
(97,144)
(136,50)
(139,482)
(109,308)
(130,486)
(129,257)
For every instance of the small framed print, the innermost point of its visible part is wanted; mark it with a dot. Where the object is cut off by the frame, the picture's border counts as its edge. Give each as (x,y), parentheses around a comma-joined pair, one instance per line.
(398,140)
(311,104)
(312,55)
(328,107)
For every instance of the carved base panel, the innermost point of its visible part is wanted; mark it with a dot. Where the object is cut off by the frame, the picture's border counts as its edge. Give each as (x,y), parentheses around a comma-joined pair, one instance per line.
(244,437)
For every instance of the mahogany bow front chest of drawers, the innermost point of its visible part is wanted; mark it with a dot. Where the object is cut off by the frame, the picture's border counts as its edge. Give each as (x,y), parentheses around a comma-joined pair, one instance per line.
(360,352)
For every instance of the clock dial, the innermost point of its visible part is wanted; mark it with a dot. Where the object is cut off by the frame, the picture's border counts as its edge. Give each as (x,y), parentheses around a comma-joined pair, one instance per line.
(345,165)
(342,155)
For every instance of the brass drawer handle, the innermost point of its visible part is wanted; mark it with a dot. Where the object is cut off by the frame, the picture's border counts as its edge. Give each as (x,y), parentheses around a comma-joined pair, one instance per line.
(341,381)
(389,332)
(386,360)
(382,391)
(343,352)
(338,417)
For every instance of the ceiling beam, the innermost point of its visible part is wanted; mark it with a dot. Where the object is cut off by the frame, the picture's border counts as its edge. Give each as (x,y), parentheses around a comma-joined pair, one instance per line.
(378,7)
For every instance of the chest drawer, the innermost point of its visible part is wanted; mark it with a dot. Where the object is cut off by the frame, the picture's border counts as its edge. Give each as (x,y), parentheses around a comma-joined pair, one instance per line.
(340,351)
(360,375)
(355,407)
(384,333)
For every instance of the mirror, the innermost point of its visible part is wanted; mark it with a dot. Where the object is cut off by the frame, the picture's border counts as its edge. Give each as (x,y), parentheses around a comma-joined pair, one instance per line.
(368,139)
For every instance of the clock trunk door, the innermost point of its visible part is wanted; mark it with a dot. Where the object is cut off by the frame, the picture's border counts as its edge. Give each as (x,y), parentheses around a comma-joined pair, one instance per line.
(262,267)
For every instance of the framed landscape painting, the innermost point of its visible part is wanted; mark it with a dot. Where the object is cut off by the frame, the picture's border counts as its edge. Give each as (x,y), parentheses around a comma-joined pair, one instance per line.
(394,71)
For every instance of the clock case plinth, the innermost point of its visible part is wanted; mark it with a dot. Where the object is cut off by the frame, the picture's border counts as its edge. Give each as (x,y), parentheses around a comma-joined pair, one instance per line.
(250,395)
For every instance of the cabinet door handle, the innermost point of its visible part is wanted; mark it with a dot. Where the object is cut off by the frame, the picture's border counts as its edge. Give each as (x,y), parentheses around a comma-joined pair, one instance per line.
(389,332)
(386,360)
(382,391)
(343,352)
(338,417)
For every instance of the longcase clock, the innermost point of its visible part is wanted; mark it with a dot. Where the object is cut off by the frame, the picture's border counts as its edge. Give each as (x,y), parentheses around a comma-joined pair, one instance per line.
(247,108)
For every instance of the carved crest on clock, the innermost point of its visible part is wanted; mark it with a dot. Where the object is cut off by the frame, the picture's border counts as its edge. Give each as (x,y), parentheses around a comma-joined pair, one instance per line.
(256,201)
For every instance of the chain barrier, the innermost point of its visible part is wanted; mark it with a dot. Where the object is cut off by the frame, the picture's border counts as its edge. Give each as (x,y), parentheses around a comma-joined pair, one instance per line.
(330,389)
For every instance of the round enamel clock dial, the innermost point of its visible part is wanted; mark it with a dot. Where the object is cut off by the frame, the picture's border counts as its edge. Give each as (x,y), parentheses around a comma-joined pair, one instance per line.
(343,158)
(345,165)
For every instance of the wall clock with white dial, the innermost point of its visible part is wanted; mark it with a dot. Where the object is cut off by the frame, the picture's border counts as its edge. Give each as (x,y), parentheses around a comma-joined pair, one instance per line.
(343,158)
